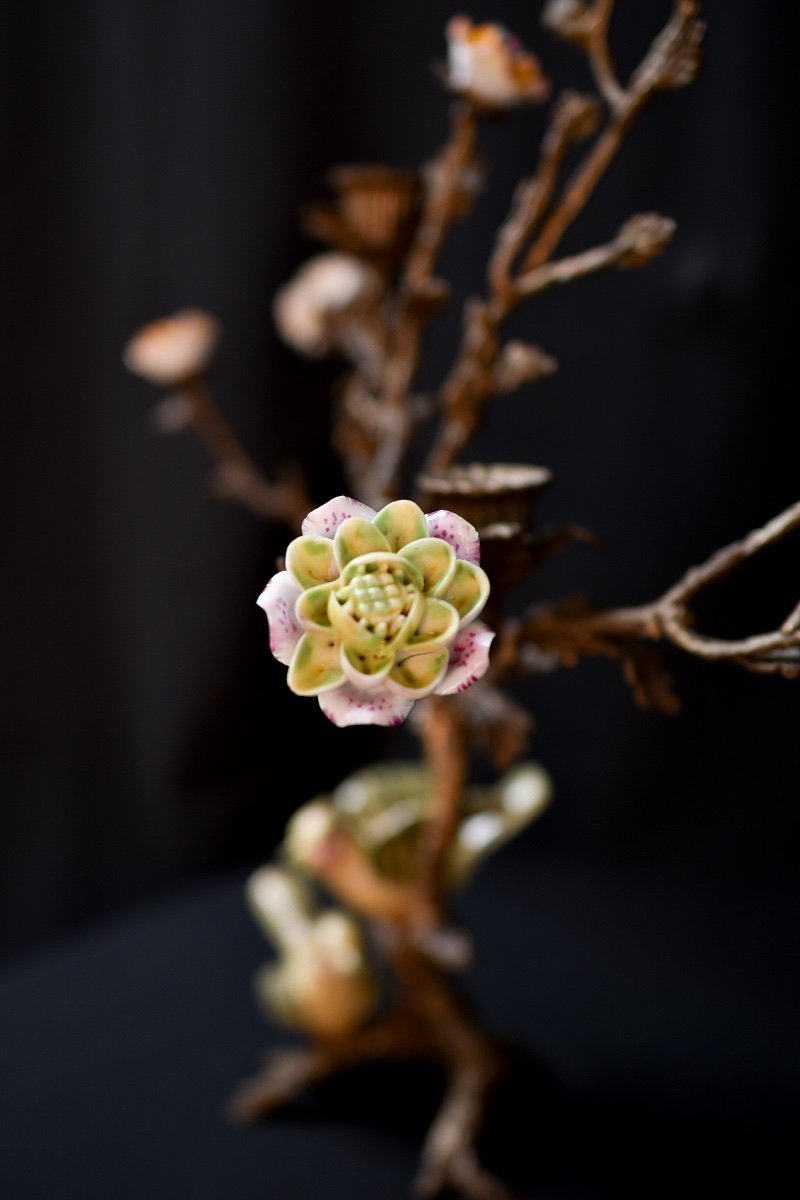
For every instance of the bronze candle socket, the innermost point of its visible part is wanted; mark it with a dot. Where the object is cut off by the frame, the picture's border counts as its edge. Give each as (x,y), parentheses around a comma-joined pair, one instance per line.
(486,494)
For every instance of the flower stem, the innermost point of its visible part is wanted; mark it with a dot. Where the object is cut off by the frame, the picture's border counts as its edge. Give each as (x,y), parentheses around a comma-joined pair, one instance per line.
(445,747)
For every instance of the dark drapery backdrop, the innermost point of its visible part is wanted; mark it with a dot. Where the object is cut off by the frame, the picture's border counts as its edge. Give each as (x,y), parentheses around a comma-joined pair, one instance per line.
(156,153)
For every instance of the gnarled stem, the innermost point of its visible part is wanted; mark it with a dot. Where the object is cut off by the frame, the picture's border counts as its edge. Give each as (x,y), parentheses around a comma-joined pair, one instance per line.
(444,742)
(430,1021)
(236,476)
(411,307)
(670,62)
(571,632)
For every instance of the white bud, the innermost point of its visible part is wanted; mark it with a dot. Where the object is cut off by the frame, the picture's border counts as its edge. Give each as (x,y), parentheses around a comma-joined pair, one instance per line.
(326,287)
(170,350)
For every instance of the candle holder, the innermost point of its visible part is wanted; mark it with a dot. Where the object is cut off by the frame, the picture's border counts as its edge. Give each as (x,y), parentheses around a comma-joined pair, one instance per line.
(385,609)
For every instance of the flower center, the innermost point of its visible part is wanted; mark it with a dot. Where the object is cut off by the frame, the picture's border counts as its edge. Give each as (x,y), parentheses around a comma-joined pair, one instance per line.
(380,595)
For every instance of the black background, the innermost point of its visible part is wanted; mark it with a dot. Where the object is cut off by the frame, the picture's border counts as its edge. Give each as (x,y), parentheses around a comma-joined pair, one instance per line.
(157,154)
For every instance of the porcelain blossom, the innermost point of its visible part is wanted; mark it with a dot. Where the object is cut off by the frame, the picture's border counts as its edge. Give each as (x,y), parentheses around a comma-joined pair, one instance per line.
(490,67)
(377,610)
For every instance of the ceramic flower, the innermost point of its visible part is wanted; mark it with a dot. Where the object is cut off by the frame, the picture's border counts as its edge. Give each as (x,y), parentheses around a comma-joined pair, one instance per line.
(489,66)
(322,982)
(173,349)
(376,610)
(363,841)
(326,288)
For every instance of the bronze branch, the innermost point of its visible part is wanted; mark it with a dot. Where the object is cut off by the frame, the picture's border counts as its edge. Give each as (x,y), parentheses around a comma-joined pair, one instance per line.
(430,1021)
(392,226)
(571,630)
(235,476)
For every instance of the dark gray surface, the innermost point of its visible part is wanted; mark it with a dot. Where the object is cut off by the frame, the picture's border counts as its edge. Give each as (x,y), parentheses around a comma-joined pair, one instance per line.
(670,1031)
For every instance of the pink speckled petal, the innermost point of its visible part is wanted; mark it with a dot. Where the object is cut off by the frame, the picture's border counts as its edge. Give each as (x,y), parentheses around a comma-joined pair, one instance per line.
(347,706)
(469,658)
(462,536)
(278,601)
(325,520)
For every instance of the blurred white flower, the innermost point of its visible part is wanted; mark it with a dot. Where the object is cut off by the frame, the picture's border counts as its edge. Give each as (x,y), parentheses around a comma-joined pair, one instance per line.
(362,843)
(172,350)
(327,288)
(322,983)
(490,67)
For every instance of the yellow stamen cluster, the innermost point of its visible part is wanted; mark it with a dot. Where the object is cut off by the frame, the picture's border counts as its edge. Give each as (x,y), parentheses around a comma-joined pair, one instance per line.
(379,596)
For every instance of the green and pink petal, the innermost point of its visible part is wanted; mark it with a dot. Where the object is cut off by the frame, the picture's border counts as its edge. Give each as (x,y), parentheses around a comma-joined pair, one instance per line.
(366,669)
(278,601)
(469,658)
(315,665)
(347,706)
(310,560)
(467,591)
(462,536)
(436,561)
(325,520)
(418,674)
(401,522)
(355,537)
(311,609)
(438,626)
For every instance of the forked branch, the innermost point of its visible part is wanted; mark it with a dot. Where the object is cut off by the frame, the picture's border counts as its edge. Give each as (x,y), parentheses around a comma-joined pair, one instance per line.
(571,630)
(430,1022)
(672,61)
(419,295)
(537,224)
(174,355)
(235,476)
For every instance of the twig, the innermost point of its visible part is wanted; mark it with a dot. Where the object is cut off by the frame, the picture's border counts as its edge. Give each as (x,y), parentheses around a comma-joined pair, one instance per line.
(285,1076)
(665,65)
(777,650)
(448,1157)
(416,299)
(471,379)
(474,377)
(573,117)
(289,1072)
(792,622)
(236,475)
(571,632)
(429,1021)
(439,211)
(670,62)
(600,55)
(621,252)
(444,743)
(728,558)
